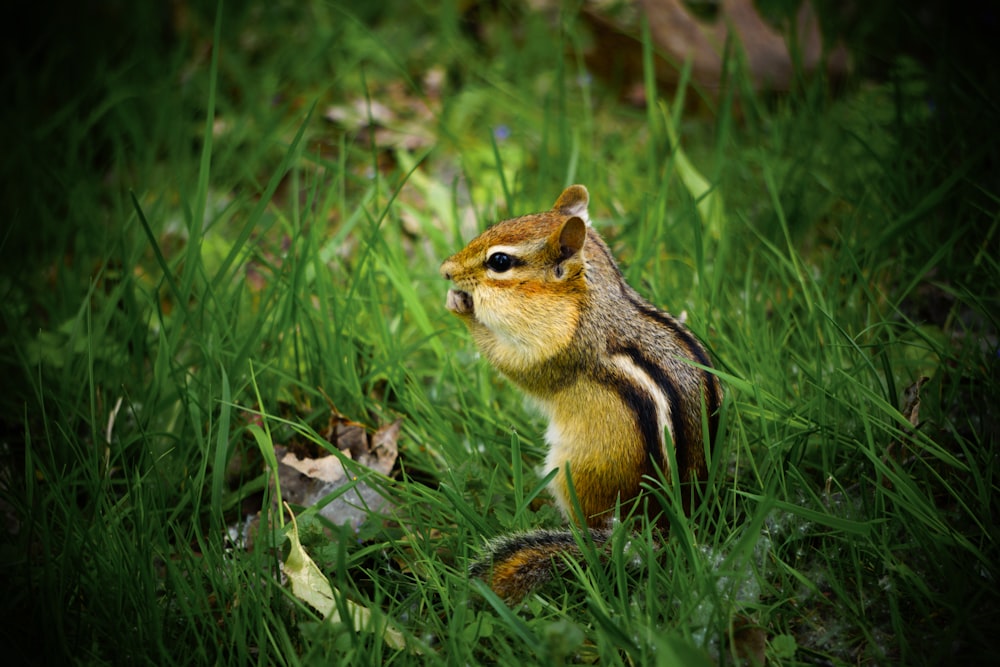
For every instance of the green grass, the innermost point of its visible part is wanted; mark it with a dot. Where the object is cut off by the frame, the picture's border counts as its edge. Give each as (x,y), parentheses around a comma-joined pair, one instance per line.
(193,244)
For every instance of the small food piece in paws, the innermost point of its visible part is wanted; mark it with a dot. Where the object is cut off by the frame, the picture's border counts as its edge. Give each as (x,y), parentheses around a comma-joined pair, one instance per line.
(459,302)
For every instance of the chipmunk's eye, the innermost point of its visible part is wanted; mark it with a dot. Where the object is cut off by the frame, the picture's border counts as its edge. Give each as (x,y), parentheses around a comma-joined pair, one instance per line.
(499,262)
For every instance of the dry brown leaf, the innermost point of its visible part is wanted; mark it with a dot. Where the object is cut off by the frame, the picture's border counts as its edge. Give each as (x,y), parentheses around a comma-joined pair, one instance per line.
(326,468)
(377,451)
(351,437)
(681,36)
(911,412)
(911,402)
(308,475)
(384,448)
(298,486)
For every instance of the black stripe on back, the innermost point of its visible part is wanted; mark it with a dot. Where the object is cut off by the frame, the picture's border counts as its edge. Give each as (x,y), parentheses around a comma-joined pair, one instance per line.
(675,400)
(643,407)
(712,405)
(697,353)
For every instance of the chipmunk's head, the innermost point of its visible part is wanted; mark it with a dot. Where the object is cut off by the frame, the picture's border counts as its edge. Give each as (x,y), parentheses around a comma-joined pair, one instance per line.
(522,281)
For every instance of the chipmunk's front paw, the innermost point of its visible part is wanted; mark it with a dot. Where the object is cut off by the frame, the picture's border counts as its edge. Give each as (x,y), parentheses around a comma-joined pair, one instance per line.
(459,302)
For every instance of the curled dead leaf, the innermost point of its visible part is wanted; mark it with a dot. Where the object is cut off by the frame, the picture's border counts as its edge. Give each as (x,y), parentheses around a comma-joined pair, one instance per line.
(911,401)
(911,412)
(310,585)
(326,468)
(308,475)
(384,449)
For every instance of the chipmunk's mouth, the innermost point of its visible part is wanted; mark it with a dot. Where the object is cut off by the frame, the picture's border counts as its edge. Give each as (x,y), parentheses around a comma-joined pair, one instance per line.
(460,302)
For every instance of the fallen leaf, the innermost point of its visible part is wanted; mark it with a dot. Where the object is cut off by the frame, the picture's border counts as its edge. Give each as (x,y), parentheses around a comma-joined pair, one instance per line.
(681,36)
(350,437)
(911,412)
(308,474)
(326,468)
(384,449)
(310,585)
(377,451)
(911,402)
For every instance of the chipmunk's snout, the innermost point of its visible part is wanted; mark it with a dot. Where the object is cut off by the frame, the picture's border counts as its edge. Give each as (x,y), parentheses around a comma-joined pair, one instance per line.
(446,268)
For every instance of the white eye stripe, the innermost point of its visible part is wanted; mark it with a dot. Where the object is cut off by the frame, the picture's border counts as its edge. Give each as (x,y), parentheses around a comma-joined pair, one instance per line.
(512,250)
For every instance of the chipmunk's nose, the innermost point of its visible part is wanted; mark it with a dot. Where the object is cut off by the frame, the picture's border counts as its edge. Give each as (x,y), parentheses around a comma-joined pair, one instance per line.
(446,268)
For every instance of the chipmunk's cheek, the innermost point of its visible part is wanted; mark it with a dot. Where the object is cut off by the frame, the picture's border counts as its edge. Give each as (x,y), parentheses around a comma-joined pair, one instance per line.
(460,302)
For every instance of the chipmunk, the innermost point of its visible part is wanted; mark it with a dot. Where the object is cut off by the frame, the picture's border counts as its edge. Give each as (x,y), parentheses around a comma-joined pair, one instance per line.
(549,308)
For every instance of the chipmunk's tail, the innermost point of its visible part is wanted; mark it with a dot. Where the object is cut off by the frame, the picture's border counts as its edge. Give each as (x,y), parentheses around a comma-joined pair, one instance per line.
(514,565)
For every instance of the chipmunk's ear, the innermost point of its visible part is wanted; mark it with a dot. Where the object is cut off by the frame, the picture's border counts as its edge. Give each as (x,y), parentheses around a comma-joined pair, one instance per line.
(572,236)
(573,201)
